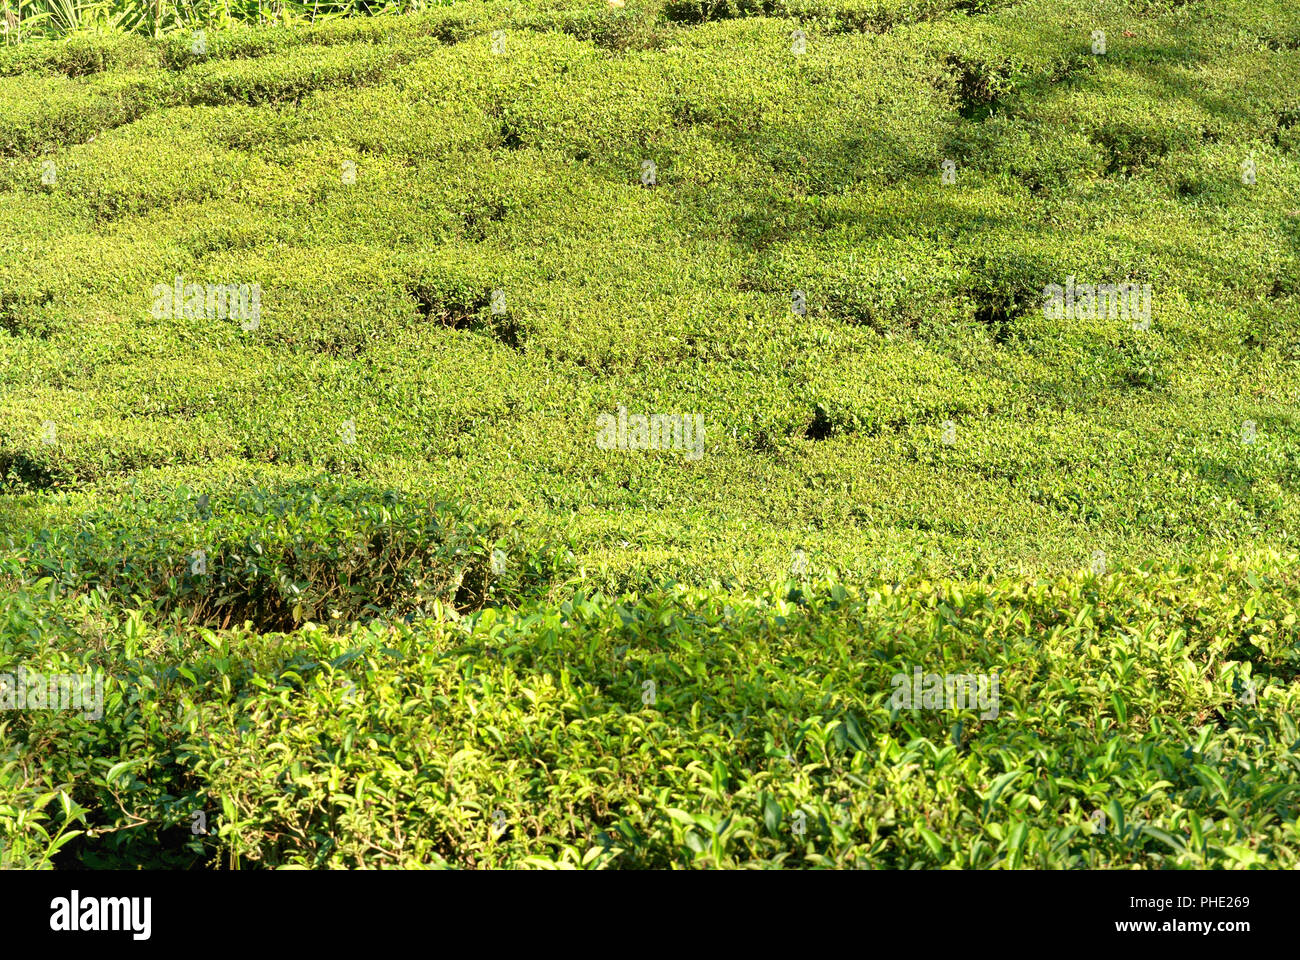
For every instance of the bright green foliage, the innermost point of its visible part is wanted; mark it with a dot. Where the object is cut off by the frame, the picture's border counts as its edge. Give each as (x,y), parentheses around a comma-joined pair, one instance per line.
(279,559)
(396,744)
(498,588)
(775,172)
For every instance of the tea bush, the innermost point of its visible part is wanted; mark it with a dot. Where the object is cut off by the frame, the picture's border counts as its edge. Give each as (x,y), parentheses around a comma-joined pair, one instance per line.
(689,727)
(278,558)
(475,230)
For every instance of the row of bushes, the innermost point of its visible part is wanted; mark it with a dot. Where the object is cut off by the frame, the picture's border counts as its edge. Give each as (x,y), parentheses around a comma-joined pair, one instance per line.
(85,52)
(278,558)
(1145,719)
(776,173)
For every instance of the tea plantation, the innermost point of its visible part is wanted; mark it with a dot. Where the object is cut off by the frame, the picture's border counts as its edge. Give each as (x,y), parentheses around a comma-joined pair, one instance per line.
(310,334)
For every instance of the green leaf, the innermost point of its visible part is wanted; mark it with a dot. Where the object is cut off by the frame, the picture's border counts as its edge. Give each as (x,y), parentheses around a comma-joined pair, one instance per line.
(1015,843)
(1242,854)
(681,816)
(1211,778)
(118,769)
(931,840)
(771,815)
(1000,784)
(1166,838)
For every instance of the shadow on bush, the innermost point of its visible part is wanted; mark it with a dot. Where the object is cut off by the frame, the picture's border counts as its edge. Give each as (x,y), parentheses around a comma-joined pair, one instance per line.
(278,558)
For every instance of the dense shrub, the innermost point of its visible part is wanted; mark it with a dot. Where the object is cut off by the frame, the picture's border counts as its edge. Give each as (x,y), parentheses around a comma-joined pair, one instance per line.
(280,557)
(687,728)
(470,246)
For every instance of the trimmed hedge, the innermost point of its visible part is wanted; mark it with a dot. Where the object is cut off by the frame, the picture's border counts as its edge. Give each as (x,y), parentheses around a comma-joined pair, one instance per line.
(277,558)
(688,728)
(883,397)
